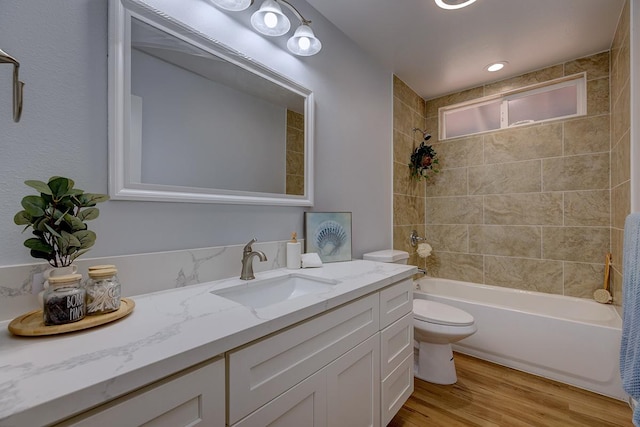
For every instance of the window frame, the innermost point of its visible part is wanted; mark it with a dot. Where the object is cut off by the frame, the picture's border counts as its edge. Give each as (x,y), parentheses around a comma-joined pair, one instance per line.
(578,80)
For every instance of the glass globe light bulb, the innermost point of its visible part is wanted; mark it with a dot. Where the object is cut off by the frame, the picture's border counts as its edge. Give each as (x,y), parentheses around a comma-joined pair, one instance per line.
(304,43)
(270,20)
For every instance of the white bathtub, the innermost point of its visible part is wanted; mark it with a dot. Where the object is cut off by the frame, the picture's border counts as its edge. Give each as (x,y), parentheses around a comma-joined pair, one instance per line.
(572,340)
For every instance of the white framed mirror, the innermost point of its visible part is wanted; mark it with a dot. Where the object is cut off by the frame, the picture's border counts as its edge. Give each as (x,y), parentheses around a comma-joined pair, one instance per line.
(191,120)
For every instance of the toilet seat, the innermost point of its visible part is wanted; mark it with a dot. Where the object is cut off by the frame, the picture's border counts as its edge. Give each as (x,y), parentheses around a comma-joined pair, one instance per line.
(440,314)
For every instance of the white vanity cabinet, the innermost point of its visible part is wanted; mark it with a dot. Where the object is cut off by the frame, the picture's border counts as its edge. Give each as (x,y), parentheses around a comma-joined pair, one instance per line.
(396,348)
(328,371)
(189,357)
(194,397)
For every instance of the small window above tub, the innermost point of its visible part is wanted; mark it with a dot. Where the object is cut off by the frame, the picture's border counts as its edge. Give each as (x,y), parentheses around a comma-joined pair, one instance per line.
(557,99)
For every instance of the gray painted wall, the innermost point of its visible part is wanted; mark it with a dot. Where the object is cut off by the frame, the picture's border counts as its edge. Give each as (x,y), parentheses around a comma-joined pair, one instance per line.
(62,46)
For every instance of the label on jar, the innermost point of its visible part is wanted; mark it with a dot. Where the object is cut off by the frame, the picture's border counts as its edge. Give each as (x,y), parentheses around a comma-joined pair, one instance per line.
(65,308)
(103,297)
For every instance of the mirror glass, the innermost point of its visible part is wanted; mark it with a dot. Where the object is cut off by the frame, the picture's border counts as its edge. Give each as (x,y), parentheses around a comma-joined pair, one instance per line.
(198,122)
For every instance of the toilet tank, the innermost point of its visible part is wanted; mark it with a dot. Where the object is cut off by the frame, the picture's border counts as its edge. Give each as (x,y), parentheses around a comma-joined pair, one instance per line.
(387,255)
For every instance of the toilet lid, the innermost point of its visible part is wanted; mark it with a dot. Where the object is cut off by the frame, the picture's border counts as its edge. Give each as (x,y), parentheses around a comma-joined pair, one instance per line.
(440,314)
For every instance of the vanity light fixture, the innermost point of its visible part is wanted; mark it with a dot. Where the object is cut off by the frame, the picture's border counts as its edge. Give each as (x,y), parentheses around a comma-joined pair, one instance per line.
(271,21)
(453,4)
(496,66)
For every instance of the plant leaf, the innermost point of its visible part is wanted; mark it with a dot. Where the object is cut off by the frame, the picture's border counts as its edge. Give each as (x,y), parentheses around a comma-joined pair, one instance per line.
(40,186)
(58,215)
(34,205)
(51,230)
(90,199)
(78,253)
(38,254)
(67,243)
(40,225)
(87,238)
(59,186)
(75,223)
(88,214)
(23,218)
(71,182)
(38,245)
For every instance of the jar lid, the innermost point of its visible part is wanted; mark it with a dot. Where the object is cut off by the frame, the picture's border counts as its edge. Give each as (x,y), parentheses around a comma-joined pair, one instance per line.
(101,267)
(103,272)
(65,279)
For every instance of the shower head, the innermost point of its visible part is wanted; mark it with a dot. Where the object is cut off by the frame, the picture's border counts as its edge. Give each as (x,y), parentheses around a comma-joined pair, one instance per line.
(426,135)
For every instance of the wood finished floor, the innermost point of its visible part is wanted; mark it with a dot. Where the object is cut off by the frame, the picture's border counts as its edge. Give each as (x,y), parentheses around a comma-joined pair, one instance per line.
(490,395)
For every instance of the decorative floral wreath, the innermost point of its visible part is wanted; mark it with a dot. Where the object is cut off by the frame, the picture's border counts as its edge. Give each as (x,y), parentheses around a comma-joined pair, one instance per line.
(423,160)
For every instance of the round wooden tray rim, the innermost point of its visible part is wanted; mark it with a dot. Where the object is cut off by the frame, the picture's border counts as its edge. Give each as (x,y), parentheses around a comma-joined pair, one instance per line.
(31,324)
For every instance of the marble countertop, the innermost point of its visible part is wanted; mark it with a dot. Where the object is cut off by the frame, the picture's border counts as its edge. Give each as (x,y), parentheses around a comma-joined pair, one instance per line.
(43,379)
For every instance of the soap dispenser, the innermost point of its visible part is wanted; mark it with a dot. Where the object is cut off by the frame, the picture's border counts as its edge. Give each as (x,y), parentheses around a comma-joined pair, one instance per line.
(293,253)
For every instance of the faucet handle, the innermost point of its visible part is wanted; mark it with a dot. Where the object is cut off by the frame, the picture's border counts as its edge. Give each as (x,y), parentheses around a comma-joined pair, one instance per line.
(247,247)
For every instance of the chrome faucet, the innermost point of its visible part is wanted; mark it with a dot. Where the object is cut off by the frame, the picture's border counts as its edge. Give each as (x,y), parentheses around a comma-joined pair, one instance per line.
(247,260)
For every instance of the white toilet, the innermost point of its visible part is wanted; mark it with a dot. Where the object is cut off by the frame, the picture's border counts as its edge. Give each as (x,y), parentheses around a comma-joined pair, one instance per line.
(435,327)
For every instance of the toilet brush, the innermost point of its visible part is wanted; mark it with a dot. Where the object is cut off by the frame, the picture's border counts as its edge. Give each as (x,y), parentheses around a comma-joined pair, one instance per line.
(603,295)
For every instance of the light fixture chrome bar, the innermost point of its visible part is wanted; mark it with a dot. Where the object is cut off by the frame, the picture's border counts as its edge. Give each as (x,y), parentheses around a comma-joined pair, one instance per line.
(295,11)
(271,21)
(18,86)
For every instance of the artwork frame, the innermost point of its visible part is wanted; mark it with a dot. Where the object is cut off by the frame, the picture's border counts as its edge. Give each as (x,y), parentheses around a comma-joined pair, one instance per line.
(329,235)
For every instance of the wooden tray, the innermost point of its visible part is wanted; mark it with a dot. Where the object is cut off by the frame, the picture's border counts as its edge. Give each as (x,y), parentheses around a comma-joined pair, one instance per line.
(31,324)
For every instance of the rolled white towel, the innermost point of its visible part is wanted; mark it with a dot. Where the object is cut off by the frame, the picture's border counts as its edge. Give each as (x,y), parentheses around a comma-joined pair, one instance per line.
(311,260)
(424,250)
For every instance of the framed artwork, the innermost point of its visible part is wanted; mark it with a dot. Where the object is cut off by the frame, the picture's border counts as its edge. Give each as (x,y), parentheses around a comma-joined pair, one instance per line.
(329,235)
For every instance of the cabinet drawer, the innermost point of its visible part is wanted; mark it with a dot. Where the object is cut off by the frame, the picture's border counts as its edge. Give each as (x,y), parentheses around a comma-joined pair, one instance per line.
(191,398)
(395,302)
(396,389)
(396,343)
(264,370)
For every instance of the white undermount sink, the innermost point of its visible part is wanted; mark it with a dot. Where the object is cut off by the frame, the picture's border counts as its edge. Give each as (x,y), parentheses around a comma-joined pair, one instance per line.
(259,293)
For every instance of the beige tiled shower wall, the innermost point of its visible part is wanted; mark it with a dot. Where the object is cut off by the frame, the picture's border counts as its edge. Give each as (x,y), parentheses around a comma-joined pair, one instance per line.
(295,153)
(620,146)
(408,194)
(526,208)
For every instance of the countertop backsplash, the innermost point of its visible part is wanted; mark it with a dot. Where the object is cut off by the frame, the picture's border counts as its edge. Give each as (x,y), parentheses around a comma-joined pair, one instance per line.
(140,273)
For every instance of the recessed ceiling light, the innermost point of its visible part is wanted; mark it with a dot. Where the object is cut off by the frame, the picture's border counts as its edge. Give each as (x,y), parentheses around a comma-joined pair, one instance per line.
(453,4)
(496,66)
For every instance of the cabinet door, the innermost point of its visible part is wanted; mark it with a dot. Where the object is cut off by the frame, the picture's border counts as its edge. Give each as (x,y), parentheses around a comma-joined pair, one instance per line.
(353,386)
(305,405)
(195,397)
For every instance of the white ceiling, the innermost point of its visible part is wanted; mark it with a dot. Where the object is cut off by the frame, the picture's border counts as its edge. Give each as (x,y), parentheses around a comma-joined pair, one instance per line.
(438,51)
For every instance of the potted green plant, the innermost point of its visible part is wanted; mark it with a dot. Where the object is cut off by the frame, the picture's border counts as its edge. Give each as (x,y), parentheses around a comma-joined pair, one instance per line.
(57,217)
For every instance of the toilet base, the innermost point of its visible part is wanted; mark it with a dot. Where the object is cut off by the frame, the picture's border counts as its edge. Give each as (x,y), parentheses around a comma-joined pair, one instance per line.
(435,363)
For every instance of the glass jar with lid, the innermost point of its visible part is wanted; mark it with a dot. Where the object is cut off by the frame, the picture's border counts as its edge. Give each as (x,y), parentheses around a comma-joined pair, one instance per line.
(103,289)
(64,300)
